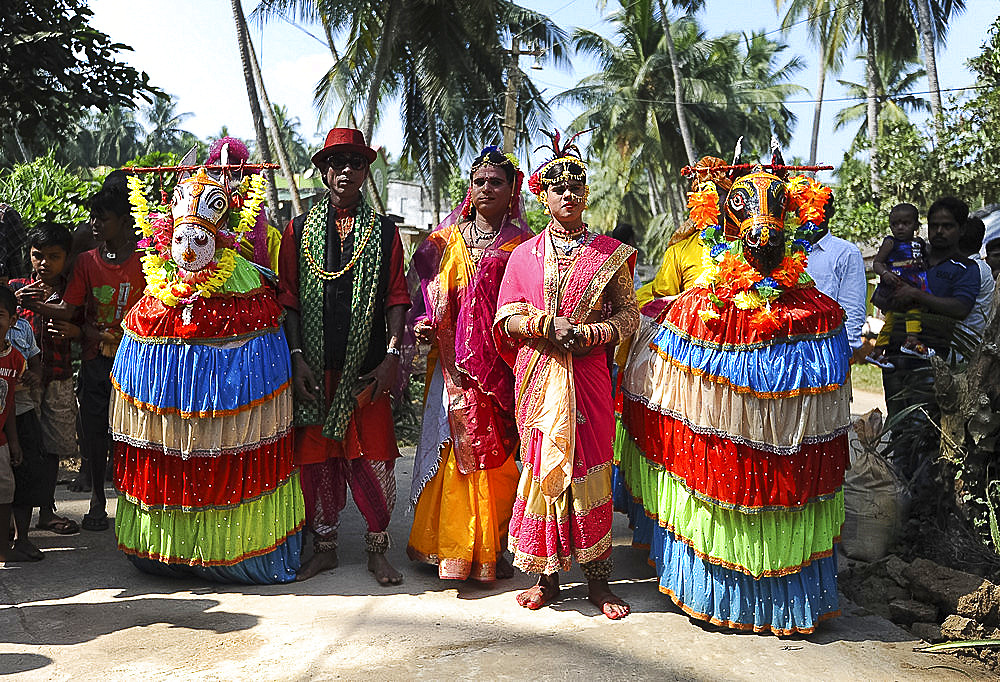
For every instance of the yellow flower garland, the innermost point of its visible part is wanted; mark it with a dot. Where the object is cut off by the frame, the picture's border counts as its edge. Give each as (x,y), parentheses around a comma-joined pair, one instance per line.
(140,207)
(173,288)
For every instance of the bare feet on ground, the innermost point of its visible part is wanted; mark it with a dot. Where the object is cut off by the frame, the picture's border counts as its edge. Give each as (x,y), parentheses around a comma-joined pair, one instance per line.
(543,593)
(504,570)
(317,563)
(385,574)
(610,604)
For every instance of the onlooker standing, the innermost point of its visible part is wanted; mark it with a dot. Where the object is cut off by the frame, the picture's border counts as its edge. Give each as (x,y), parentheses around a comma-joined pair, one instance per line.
(49,247)
(108,281)
(901,259)
(969,246)
(838,269)
(953,283)
(12,366)
(993,255)
(31,474)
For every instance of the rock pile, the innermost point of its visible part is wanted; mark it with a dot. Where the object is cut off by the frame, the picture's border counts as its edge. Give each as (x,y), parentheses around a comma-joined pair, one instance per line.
(933,602)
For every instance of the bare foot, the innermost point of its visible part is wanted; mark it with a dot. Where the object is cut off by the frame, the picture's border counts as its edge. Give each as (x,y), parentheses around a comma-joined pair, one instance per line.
(543,593)
(610,604)
(317,563)
(28,549)
(504,570)
(385,574)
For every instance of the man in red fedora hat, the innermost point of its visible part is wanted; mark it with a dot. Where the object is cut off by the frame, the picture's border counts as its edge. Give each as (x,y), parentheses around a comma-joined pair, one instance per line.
(343,287)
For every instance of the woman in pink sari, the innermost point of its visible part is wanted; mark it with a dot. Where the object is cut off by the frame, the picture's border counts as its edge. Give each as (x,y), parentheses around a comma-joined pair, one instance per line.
(465,476)
(565,301)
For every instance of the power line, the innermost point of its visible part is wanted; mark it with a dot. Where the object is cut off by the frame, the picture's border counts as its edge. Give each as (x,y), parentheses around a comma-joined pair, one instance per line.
(813,16)
(814,101)
(311,35)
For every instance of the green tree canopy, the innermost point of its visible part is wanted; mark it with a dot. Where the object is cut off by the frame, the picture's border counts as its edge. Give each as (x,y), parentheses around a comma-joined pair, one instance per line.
(56,66)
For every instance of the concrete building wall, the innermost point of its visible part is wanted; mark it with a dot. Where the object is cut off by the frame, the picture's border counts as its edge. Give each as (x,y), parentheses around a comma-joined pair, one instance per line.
(412,202)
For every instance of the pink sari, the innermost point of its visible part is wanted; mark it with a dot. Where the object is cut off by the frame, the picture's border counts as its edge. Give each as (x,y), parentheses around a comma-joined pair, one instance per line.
(563,406)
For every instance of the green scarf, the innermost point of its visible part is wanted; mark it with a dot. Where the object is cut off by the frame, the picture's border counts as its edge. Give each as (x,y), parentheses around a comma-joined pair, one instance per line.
(364,291)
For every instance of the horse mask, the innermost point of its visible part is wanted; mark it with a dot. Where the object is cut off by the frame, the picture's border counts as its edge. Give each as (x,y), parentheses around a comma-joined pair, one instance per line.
(200,207)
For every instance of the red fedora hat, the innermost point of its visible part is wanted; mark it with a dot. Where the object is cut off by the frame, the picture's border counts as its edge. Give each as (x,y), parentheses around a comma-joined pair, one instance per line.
(345,140)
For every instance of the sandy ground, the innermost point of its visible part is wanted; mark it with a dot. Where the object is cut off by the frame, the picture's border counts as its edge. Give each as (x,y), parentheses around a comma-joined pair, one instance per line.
(86,613)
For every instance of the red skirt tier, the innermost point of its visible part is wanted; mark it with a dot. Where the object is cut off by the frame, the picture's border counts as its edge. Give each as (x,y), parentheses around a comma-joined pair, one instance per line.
(735,475)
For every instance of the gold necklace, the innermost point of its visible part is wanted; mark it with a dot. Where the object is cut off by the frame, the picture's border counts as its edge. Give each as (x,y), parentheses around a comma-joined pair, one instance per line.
(328,276)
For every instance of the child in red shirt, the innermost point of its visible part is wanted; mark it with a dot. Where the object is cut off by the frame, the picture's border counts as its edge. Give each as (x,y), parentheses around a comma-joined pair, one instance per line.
(12,366)
(107,282)
(49,248)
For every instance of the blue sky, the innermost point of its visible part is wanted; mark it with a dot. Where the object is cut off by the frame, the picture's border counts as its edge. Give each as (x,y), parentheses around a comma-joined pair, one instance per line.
(188,47)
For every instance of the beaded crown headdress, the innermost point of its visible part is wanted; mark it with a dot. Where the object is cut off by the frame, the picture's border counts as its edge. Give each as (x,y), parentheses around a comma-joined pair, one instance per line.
(566,163)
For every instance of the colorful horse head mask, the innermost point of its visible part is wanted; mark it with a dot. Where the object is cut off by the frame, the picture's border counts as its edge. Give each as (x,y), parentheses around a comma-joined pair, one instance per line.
(200,207)
(756,206)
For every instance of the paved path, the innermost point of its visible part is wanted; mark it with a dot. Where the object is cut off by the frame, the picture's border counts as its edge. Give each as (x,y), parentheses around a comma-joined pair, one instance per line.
(85,613)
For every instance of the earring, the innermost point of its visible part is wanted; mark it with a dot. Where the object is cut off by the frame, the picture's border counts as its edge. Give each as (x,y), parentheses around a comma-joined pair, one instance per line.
(546,210)
(586,196)
(467,208)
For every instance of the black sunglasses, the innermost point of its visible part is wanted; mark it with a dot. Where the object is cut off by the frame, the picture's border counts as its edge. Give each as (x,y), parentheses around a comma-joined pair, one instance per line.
(338,161)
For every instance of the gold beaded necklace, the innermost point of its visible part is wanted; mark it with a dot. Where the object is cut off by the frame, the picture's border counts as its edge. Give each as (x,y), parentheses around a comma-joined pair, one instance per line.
(328,276)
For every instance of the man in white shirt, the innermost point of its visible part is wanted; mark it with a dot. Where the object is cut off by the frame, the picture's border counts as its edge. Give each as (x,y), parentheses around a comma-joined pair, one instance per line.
(839,271)
(969,246)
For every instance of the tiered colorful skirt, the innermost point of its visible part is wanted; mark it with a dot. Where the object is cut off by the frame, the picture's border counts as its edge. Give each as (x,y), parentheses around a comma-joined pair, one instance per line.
(731,448)
(201,415)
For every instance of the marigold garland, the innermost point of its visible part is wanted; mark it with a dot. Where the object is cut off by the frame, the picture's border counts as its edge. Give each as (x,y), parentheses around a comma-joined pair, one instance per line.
(140,207)
(726,272)
(808,198)
(704,205)
(251,207)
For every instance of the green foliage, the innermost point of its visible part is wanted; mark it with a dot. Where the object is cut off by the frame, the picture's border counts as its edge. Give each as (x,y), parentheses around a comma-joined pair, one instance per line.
(154,159)
(154,184)
(535,215)
(964,162)
(56,66)
(457,187)
(44,191)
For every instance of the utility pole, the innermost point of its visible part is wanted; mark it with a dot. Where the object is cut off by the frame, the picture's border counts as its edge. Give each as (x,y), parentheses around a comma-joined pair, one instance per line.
(513,88)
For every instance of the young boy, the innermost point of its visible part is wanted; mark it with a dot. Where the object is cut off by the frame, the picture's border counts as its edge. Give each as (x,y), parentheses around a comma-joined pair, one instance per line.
(107,282)
(31,474)
(12,366)
(901,259)
(49,248)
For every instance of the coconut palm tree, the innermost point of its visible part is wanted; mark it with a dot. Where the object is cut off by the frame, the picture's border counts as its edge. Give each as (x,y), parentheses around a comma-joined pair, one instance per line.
(117,136)
(932,22)
(164,125)
(447,68)
(831,26)
(689,6)
(289,130)
(736,83)
(896,82)
(243,40)
(886,30)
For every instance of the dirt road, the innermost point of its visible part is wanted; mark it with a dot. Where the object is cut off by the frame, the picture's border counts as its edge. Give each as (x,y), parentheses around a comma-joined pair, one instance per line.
(86,613)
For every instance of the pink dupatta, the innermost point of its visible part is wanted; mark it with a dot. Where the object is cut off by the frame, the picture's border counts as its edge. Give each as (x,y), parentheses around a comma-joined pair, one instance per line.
(544,390)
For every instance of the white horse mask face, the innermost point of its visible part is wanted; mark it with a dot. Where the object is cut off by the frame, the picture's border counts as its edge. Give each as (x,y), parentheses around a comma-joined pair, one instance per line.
(193,247)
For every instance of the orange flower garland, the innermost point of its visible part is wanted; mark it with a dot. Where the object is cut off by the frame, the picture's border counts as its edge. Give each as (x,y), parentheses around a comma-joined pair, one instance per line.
(808,198)
(731,279)
(704,205)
